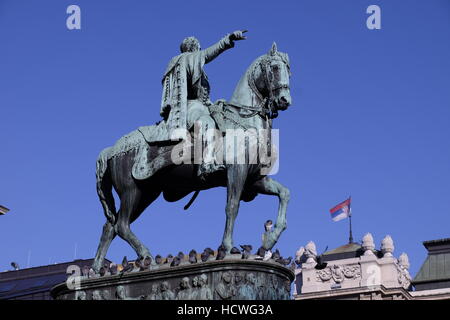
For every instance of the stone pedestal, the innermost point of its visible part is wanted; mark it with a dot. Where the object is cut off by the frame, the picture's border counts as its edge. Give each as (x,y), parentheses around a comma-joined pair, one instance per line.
(233,279)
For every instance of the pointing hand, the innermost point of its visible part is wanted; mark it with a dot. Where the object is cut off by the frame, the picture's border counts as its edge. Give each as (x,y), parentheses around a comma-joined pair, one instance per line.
(238,35)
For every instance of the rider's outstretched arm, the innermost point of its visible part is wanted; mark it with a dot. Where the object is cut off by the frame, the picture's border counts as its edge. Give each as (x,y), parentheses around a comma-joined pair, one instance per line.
(225,43)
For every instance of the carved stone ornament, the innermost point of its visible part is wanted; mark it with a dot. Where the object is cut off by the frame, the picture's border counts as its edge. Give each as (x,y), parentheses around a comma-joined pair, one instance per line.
(352,272)
(311,252)
(367,244)
(324,274)
(403,261)
(387,246)
(339,273)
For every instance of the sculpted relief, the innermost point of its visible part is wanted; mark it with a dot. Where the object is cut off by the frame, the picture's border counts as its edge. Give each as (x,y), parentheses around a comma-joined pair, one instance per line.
(339,273)
(227,285)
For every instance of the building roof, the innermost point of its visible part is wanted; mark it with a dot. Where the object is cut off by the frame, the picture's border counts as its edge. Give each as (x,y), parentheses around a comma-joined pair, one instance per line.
(349,250)
(36,282)
(436,267)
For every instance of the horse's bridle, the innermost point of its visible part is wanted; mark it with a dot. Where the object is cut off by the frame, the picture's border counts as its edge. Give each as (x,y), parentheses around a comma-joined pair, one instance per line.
(265,107)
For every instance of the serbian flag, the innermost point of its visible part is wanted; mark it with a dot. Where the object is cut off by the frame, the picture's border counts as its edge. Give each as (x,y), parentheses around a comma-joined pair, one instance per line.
(341,211)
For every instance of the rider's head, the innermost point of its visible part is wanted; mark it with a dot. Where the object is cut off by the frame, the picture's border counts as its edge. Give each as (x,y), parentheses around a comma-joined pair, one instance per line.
(190,44)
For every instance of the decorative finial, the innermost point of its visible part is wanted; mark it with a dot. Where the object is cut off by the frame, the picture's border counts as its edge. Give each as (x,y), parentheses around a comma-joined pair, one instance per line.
(403,261)
(299,255)
(387,246)
(310,252)
(367,244)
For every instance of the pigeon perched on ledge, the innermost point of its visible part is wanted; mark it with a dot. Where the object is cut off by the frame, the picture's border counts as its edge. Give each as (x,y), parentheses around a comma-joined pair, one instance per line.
(261,252)
(158,259)
(85,271)
(147,263)
(246,251)
(204,256)
(138,264)
(175,262)
(180,255)
(113,268)
(92,273)
(276,255)
(193,256)
(127,267)
(221,253)
(284,262)
(235,250)
(210,251)
(169,259)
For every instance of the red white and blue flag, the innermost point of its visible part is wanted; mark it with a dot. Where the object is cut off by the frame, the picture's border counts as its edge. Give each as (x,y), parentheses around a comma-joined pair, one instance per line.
(341,211)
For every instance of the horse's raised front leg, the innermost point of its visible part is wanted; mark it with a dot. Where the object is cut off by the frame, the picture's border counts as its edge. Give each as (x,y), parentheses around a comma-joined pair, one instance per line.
(271,187)
(236,176)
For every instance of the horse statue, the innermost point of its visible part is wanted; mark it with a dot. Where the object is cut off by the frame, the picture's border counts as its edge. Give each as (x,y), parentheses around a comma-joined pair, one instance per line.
(262,91)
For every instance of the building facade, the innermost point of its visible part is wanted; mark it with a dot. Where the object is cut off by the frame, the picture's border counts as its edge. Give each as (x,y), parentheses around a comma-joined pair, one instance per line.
(36,283)
(432,282)
(353,272)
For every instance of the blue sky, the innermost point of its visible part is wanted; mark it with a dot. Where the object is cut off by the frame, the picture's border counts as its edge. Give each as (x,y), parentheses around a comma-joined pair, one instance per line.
(370,118)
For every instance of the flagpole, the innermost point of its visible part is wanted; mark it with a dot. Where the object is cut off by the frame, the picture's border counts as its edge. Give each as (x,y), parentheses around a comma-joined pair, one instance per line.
(350,238)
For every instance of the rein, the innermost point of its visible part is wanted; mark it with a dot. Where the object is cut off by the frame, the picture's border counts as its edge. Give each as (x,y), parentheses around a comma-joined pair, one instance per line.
(265,107)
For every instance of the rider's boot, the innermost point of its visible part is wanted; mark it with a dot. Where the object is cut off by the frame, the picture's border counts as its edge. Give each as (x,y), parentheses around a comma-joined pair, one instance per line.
(209,164)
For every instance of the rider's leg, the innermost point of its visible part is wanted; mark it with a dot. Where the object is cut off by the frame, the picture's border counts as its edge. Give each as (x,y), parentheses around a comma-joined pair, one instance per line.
(201,122)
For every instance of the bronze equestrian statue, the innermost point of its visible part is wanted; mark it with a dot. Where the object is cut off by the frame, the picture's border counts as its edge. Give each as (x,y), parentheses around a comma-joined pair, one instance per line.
(157,159)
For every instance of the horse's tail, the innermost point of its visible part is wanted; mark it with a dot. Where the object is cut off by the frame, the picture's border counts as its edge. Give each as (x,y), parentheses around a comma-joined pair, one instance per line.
(104,186)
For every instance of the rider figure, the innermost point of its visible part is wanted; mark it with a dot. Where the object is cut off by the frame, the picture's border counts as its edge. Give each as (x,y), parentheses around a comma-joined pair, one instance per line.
(185,99)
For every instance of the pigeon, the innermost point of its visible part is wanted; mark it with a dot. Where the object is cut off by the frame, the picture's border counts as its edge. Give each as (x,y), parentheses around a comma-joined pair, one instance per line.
(284,262)
(158,259)
(113,268)
(180,255)
(245,254)
(235,250)
(175,262)
(210,251)
(169,259)
(147,262)
(205,256)
(92,273)
(268,225)
(276,255)
(221,253)
(193,256)
(15,266)
(267,255)
(246,251)
(247,247)
(85,271)
(321,264)
(138,264)
(127,267)
(102,271)
(261,252)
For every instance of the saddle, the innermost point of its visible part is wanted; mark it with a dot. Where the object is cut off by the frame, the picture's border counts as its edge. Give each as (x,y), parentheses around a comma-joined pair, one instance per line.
(152,156)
